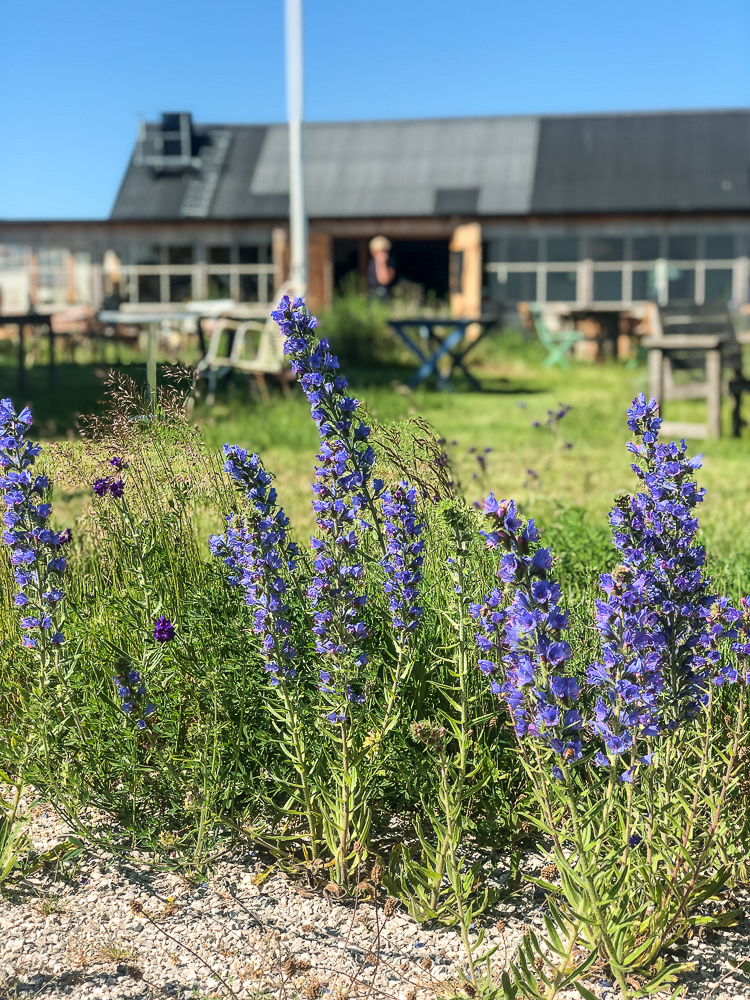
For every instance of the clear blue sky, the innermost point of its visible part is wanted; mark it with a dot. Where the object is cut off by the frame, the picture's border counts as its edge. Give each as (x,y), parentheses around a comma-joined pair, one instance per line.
(78,74)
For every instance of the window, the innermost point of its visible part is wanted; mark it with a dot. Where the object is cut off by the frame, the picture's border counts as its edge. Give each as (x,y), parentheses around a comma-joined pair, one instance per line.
(149,288)
(180,255)
(562,248)
(249,255)
(681,285)
(218,286)
(718,287)
(607,248)
(219,255)
(249,288)
(645,247)
(520,287)
(644,286)
(607,286)
(719,247)
(683,247)
(561,286)
(148,255)
(180,287)
(523,250)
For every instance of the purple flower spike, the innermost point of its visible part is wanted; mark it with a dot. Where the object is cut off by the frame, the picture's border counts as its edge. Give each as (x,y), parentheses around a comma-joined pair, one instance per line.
(404,559)
(164,630)
(117,488)
(101,486)
(34,547)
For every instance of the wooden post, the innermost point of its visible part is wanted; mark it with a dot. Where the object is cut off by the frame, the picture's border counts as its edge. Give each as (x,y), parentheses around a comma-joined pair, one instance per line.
(466,296)
(21,360)
(656,375)
(713,393)
(151,362)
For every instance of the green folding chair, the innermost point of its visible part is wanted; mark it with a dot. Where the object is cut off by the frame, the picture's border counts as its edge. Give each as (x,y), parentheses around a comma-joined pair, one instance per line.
(557,342)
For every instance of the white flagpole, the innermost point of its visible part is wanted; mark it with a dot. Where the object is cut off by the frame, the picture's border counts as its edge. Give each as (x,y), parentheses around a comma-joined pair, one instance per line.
(294,85)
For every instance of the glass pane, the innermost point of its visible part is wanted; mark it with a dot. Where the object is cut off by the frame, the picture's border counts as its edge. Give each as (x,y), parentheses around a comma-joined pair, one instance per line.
(149,288)
(148,255)
(218,286)
(607,286)
(719,247)
(561,286)
(180,287)
(681,285)
(523,250)
(180,255)
(219,255)
(682,247)
(645,247)
(644,286)
(520,287)
(718,285)
(249,255)
(562,248)
(607,248)
(249,288)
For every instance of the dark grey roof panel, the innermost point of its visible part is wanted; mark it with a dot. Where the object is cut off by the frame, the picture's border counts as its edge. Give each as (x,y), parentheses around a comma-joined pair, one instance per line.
(232,199)
(645,162)
(146,195)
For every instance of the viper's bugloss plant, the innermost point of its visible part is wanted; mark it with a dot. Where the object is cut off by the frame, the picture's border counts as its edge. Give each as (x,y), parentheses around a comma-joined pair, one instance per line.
(403,559)
(526,653)
(36,550)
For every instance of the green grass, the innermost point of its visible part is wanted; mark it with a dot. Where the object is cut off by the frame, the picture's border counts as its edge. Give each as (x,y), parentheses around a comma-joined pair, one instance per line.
(583,464)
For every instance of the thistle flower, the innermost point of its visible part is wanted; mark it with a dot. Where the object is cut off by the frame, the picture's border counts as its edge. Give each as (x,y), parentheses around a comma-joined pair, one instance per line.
(258,552)
(525,654)
(35,549)
(403,560)
(164,630)
(344,493)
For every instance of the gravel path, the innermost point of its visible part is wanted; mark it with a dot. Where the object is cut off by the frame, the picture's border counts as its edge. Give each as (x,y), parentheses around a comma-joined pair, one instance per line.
(117,930)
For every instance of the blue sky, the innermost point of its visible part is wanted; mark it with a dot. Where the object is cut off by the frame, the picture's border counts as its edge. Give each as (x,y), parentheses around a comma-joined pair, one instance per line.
(77,75)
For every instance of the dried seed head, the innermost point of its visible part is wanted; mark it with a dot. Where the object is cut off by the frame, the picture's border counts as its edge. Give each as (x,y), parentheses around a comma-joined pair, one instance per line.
(500,926)
(426,963)
(313,988)
(377,875)
(549,872)
(371,958)
(135,906)
(391,905)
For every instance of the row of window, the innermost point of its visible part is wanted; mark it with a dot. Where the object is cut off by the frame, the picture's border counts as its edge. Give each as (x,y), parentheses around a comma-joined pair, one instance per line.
(562,286)
(214,255)
(219,286)
(565,249)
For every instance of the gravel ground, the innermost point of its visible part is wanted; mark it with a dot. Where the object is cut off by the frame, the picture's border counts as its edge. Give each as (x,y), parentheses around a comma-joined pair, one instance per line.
(118,930)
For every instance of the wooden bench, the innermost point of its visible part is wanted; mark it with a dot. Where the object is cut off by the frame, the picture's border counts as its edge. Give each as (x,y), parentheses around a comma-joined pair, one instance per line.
(695,339)
(267,358)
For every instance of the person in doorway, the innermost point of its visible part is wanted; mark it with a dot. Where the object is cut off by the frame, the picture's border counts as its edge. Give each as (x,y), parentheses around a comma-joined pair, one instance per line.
(380,271)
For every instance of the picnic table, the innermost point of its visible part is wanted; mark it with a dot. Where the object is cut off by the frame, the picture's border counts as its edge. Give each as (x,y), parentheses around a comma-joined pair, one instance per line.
(431,339)
(22,320)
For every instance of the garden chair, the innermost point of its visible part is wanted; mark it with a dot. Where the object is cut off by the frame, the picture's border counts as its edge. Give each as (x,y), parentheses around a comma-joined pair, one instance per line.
(557,342)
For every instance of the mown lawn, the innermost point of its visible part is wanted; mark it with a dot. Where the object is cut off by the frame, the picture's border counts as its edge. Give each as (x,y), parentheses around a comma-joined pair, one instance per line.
(582,462)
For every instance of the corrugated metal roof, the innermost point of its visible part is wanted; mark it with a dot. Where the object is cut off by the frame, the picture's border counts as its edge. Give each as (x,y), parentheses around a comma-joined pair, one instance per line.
(647,162)
(681,161)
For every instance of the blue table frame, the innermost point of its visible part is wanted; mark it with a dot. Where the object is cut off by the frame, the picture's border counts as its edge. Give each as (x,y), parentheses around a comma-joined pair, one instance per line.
(431,346)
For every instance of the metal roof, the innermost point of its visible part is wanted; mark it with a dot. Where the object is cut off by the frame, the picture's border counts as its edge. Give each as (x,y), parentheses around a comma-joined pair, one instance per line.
(678,161)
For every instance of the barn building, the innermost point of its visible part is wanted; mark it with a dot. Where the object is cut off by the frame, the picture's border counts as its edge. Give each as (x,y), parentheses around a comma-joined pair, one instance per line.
(594,212)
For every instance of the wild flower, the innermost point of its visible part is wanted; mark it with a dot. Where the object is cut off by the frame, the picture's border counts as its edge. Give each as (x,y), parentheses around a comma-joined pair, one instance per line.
(524,652)
(259,554)
(36,551)
(105,485)
(131,690)
(403,560)
(659,623)
(164,630)
(345,495)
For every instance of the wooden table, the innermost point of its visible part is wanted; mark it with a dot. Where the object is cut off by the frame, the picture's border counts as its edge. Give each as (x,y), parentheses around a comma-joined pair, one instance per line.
(438,338)
(711,345)
(22,320)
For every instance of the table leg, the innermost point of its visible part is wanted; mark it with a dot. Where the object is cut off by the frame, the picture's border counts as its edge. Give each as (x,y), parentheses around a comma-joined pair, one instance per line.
(713,400)
(151,362)
(21,359)
(656,375)
(51,355)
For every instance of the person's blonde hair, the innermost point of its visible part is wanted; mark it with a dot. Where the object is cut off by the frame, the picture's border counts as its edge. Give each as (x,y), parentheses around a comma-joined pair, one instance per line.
(379,243)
